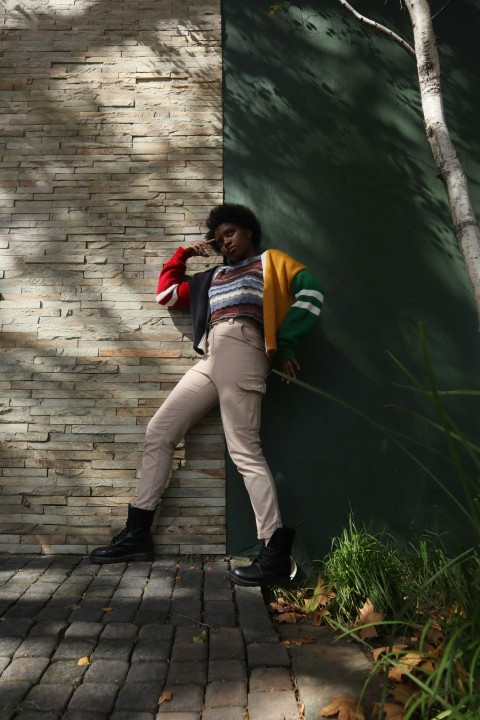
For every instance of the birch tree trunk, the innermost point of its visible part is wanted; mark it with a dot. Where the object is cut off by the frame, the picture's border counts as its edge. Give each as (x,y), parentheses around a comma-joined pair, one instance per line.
(465,225)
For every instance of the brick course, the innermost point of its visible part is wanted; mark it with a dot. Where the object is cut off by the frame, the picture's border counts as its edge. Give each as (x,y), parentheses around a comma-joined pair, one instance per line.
(111,156)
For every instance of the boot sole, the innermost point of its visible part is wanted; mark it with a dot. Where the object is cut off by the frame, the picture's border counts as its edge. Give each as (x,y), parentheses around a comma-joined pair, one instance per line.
(259,583)
(139,557)
(279,581)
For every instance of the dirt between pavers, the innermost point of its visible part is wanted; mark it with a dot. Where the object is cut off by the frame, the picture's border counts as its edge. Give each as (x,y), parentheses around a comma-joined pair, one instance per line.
(327,667)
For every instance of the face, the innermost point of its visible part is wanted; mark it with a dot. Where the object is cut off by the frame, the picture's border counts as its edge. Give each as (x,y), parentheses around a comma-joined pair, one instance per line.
(235,242)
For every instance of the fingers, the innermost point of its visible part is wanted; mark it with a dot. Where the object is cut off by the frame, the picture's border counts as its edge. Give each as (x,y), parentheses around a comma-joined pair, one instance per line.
(290,367)
(203,247)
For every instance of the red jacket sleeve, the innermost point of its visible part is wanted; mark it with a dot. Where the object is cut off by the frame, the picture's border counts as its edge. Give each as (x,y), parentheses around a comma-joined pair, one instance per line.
(173,289)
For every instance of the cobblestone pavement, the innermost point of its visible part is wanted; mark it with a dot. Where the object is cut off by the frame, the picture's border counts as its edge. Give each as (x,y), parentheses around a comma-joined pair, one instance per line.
(90,642)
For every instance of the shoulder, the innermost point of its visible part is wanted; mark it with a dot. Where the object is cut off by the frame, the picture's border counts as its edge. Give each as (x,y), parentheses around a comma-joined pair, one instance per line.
(280,259)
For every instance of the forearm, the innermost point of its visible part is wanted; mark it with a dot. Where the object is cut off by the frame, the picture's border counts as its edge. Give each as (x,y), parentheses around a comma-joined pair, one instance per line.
(173,288)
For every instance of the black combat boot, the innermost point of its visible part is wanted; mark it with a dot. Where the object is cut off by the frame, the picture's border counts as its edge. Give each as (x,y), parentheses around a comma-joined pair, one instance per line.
(272,564)
(133,543)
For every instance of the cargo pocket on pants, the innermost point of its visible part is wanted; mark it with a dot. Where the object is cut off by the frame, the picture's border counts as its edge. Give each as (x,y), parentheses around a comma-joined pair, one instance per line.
(248,403)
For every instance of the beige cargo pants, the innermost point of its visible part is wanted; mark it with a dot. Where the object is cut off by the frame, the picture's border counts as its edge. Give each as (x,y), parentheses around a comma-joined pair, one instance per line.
(232,372)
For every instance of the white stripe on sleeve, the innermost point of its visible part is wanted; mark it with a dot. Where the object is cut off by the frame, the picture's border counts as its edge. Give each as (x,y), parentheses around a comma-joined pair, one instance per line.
(311,293)
(172,289)
(307,306)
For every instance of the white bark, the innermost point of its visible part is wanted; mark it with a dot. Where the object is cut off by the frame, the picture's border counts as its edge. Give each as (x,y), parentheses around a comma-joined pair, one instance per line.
(465,225)
(379,28)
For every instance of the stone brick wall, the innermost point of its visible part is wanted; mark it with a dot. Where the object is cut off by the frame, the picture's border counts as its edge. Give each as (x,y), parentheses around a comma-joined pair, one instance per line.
(111,156)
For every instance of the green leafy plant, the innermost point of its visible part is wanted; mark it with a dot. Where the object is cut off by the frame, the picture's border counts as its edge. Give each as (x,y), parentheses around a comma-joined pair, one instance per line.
(437,671)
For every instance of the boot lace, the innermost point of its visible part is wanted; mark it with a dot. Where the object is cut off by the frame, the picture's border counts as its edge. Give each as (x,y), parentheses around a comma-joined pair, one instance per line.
(264,557)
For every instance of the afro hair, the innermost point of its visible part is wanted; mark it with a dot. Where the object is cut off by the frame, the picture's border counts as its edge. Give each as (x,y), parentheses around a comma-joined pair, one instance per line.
(236,214)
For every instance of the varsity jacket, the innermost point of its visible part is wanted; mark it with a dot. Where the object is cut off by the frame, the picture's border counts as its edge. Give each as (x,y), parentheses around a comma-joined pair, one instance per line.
(292,299)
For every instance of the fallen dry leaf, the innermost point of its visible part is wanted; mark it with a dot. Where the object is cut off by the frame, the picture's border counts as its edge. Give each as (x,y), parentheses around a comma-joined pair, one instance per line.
(107,609)
(386,649)
(288,617)
(84,660)
(391,711)
(406,664)
(321,596)
(303,640)
(344,707)
(368,616)
(165,696)
(403,692)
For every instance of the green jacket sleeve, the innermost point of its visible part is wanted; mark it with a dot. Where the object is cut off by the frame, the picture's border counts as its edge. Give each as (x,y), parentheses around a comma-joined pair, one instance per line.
(301,316)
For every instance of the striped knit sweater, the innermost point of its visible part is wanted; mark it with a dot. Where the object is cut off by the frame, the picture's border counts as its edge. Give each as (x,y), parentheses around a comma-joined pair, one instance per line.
(292,299)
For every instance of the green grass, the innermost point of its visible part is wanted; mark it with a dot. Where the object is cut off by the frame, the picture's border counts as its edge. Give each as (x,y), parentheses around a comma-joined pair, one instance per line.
(424,593)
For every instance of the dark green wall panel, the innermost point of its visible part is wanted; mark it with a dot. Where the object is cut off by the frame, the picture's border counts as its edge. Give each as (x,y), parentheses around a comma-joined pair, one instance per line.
(324,140)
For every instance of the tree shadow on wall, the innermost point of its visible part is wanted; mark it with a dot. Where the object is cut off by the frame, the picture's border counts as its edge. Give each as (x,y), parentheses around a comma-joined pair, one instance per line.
(324,138)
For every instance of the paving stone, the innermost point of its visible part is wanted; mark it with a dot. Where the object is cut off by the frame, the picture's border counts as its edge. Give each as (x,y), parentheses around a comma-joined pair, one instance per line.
(179,716)
(94,697)
(115,570)
(225,713)
(106,671)
(49,697)
(155,611)
(226,644)
(36,647)
(189,652)
(74,649)
(267,655)
(187,635)
(341,668)
(270,679)
(113,649)
(83,715)
(120,630)
(67,672)
(256,626)
(226,693)
(226,670)
(121,611)
(187,673)
(26,669)
(160,631)
(84,630)
(89,611)
(214,593)
(148,649)
(186,612)
(220,613)
(139,696)
(8,646)
(184,594)
(187,698)
(131,715)
(11,694)
(55,611)
(25,607)
(45,628)
(272,706)
(4,661)
(15,627)
(39,715)
(144,672)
